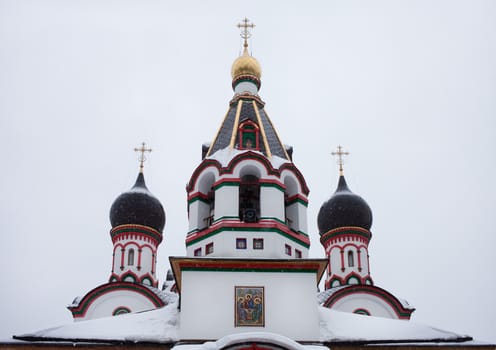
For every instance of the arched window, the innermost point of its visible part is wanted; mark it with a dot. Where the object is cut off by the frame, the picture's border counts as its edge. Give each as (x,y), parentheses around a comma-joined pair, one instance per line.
(249,199)
(248,136)
(206,205)
(351,259)
(130,257)
(361,311)
(211,207)
(121,310)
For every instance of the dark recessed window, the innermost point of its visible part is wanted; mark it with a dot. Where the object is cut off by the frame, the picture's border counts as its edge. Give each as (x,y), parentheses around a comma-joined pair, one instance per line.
(287,250)
(351,259)
(249,199)
(209,248)
(258,243)
(198,252)
(297,254)
(130,257)
(248,136)
(240,243)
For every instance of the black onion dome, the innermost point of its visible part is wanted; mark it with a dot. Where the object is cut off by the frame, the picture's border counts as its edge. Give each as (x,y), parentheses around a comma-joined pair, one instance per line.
(138,206)
(344,208)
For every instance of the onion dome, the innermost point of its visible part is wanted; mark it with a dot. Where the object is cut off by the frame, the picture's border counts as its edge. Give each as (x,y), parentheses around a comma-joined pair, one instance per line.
(344,208)
(246,65)
(139,207)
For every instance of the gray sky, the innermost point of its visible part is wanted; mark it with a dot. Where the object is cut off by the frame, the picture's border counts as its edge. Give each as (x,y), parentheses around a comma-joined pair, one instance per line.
(408,87)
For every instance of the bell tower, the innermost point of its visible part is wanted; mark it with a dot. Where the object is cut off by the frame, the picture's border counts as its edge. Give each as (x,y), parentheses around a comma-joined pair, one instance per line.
(247,198)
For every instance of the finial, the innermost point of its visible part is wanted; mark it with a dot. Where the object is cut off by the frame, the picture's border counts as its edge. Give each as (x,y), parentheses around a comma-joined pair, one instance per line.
(142,157)
(340,153)
(245,34)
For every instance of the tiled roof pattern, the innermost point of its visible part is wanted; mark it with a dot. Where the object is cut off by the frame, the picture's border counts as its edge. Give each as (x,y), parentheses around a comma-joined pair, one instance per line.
(247,112)
(272,139)
(224,136)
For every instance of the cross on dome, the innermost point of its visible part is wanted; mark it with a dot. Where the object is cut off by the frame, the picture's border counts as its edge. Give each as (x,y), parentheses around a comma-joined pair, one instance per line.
(340,153)
(245,33)
(142,157)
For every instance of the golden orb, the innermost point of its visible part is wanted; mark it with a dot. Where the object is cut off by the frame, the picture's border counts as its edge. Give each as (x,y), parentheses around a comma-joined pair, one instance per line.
(246,65)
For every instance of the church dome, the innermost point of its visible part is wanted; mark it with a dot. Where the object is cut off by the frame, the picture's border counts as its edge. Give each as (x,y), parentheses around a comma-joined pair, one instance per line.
(246,65)
(138,206)
(344,208)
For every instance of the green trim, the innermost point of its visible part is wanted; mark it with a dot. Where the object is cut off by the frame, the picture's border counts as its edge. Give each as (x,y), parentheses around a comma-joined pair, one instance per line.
(297,200)
(121,311)
(198,198)
(271,184)
(248,229)
(246,269)
(272,218)
(226,218)
(302,233)
(226,183)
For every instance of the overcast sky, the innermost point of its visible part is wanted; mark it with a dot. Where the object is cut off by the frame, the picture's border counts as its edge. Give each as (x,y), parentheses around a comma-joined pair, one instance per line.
(407,87)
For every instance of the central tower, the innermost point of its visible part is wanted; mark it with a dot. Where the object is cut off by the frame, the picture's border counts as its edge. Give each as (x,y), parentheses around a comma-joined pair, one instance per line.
(247,198)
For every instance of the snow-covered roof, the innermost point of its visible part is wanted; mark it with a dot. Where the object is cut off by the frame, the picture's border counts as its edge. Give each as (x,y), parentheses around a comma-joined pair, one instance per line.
(161,326)
(156,326)
(337,326)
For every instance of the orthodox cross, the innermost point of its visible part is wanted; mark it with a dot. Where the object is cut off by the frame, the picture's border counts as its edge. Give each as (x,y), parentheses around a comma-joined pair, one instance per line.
(340,153)
(245,34)
(142,157)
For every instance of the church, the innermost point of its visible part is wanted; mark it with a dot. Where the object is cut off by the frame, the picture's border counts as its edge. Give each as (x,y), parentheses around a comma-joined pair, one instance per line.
(246,280)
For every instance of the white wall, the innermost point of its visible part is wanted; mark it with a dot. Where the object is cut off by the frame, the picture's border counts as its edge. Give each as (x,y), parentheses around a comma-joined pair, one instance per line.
(371,303)
(104,305)
(225,245)
(207,304)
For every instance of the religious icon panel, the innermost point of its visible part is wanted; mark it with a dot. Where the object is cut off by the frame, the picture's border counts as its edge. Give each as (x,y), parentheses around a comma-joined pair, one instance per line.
(249,306)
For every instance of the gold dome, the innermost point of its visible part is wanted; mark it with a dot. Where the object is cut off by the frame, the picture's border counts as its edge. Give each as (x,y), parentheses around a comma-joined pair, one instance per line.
(246,65)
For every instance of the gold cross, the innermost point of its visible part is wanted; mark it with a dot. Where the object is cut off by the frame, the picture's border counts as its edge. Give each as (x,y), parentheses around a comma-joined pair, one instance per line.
(340,153)
(245,34)
(142,157)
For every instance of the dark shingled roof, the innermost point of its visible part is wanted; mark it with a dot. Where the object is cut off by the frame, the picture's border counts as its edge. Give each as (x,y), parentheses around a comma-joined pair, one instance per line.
(248,108)
(138,206)
(344,208)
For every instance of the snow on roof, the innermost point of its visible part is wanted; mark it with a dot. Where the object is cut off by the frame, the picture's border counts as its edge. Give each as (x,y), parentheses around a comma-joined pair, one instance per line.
(337,326)
(260,337)
(161,326)
(157,326)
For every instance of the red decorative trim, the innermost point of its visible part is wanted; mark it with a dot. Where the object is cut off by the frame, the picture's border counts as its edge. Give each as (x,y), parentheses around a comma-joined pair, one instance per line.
(222,226)
(229,169)
(296,198)
(80,310)
(346,233)
(243,130)
(198,195)
(249,265)
(140,231)
(344,279)
(391,300)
